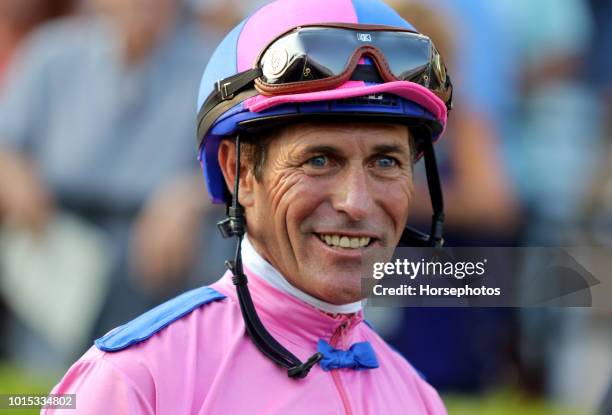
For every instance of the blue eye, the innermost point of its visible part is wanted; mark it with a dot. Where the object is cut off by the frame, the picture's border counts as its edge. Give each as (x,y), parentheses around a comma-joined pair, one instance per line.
(318,161)
(386,162)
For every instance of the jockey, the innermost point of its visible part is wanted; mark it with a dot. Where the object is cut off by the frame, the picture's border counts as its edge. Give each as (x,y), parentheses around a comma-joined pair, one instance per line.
(310,118)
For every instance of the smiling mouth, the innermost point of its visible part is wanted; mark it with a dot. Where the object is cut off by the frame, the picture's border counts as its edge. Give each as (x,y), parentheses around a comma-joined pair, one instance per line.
(345,241)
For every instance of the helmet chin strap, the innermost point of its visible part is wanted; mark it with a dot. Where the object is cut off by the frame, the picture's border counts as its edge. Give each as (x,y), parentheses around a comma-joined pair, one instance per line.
(413,237)
(234,225)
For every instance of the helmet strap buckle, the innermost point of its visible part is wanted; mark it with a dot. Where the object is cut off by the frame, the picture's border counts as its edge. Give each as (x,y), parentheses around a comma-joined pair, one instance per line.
(223,90)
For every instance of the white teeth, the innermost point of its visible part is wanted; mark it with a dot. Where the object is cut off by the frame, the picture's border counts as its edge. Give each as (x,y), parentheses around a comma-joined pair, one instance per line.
(345,241)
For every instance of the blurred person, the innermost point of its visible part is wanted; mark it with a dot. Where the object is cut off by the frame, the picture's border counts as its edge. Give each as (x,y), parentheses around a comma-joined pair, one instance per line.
(95,122)
(485,59)
(221,15)
(597,212)
(311,148)
(556,106)
(18,18)
(557,130)
(598,72)
(519,69)
(560,133)
(482,207)
(473,346)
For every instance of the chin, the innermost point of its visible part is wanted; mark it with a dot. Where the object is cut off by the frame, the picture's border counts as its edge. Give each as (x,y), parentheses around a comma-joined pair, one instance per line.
(335,279)
(340,291)
(344,298)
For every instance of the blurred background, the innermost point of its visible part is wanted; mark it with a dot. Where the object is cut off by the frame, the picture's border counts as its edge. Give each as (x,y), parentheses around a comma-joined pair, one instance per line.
(103,212)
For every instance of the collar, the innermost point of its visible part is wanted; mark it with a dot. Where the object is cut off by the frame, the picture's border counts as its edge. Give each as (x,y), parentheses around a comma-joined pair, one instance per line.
(263,269)
(285,314)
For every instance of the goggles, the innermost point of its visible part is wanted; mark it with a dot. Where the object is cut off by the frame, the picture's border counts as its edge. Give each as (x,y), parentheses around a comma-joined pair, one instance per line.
(323,57)
(312,58)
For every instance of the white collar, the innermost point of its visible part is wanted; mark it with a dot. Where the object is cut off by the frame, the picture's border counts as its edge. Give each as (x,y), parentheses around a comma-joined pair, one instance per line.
(265,270)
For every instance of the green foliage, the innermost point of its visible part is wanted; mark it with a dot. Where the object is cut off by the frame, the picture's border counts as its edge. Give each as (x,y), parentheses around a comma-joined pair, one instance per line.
(503,403)
(14,380)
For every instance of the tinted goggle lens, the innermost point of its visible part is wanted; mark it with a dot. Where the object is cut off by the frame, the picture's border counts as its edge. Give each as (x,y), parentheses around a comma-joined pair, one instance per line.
(319,53)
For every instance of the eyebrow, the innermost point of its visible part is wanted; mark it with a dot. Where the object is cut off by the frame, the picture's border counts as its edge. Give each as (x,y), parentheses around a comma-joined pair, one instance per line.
(335,151)
(324,149)
(379,149)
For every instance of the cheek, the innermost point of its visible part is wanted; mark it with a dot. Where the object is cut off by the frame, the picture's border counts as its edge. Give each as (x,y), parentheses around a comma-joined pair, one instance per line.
(299,202)
(396,201)
(309,207)
(289,197)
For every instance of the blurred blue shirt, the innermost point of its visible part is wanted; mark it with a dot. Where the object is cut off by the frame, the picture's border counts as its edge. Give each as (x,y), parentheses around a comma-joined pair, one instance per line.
(485,61)
(100,130)
(104,135)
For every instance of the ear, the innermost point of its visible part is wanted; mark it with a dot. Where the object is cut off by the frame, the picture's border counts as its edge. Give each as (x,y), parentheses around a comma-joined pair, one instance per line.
(227,162)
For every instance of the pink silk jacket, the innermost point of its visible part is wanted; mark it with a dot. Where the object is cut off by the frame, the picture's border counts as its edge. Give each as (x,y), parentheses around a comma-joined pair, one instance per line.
(192,355)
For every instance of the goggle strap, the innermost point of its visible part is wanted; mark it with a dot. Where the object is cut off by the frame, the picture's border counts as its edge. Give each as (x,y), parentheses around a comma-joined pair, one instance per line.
(211,111)
(225,89)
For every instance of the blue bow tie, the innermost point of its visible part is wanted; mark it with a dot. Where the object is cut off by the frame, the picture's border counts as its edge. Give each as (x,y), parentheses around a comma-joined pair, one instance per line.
(359,356)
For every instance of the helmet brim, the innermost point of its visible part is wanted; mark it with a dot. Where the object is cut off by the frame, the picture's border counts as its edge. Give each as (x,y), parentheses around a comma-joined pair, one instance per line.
(352,89)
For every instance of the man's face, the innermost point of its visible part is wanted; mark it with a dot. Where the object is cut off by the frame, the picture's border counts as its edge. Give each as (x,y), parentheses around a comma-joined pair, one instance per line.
(333,199)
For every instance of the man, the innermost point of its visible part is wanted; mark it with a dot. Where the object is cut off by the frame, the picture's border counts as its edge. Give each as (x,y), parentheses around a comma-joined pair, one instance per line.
(309,136)
(88,102)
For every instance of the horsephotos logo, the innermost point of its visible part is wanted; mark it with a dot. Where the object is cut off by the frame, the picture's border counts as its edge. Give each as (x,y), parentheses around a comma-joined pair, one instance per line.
(364,37)
(491,277)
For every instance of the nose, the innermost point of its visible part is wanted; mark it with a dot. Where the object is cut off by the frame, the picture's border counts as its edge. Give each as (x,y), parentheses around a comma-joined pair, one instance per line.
(353,194)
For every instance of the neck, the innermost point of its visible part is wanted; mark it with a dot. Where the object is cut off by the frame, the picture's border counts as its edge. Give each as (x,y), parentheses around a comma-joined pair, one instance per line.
(254,261)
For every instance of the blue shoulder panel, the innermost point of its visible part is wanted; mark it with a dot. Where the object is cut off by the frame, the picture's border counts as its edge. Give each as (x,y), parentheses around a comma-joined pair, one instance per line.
(149,323)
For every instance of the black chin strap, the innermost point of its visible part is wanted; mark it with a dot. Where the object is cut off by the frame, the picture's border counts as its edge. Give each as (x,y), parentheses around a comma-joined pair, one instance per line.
(413,237)
(234,225)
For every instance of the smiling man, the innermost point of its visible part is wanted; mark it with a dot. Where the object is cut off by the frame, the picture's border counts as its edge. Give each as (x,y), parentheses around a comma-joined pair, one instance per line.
(330,199)
(310,119)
